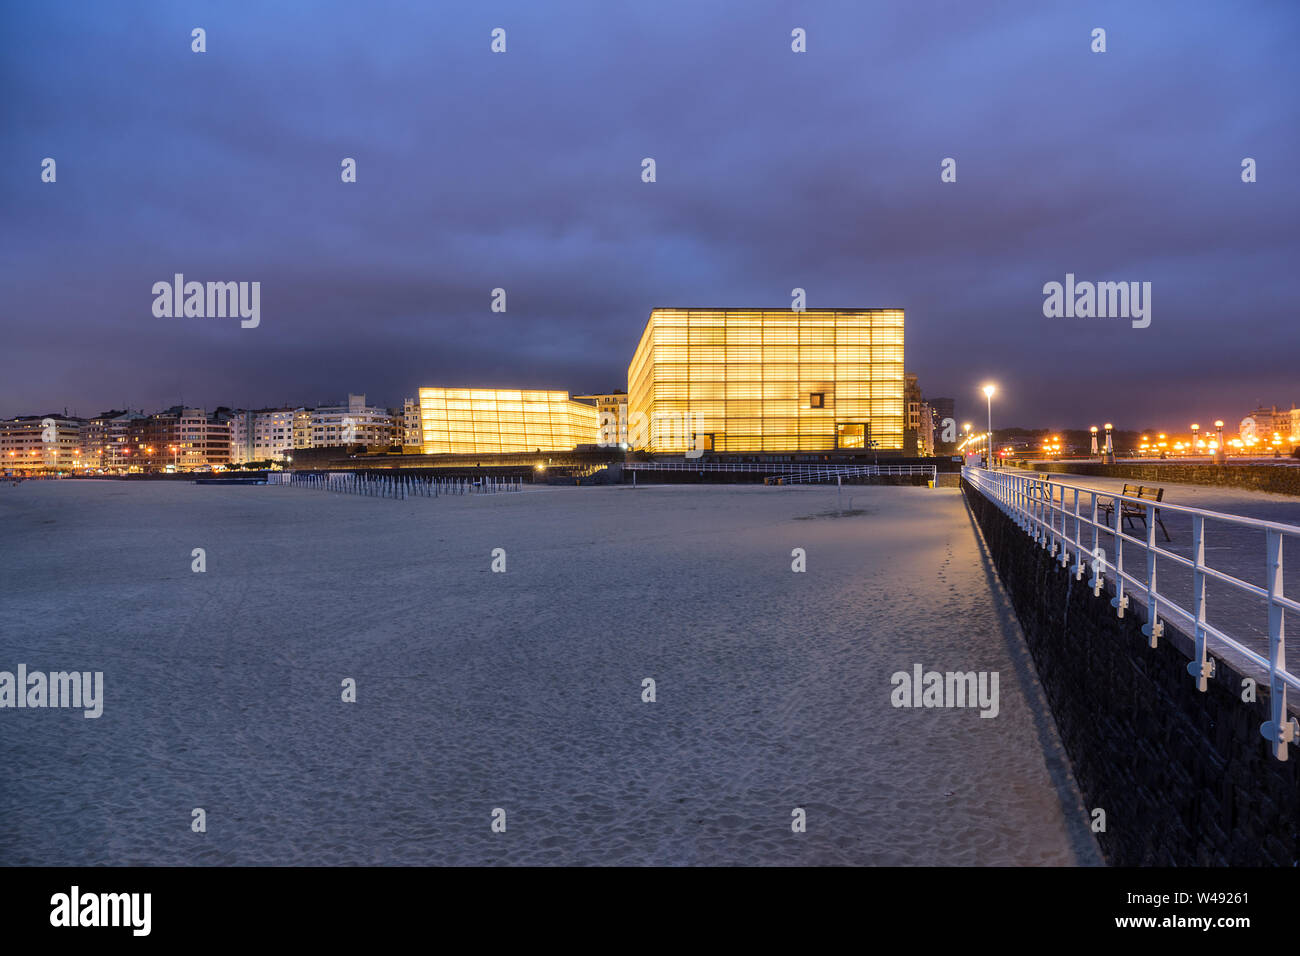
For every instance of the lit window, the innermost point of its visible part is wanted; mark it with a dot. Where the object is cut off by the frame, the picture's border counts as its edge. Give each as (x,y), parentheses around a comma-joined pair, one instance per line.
(851,436)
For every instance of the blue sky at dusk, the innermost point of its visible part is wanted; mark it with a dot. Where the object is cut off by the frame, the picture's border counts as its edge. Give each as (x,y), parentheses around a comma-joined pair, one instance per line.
(522,170)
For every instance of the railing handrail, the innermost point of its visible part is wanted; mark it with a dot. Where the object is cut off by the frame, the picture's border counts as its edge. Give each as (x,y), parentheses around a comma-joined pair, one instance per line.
(776,467)
(861,471)
(1243,520)
(1032,503)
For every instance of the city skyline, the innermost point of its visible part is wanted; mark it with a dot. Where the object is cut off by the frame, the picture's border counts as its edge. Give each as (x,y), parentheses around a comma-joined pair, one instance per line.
(775,171)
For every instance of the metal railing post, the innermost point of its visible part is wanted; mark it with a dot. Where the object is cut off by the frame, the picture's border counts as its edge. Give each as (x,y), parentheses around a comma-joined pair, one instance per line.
(1153,628)
(1280,730)
(1201,668)
(1120,601)
(1078,539)
(1098,563)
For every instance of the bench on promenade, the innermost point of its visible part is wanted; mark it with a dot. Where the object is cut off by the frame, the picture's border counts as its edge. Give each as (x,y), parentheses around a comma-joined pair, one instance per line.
(1131,512)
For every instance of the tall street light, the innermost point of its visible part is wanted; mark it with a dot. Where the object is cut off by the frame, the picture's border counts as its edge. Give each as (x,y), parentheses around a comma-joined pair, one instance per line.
(1093,429)
(1220,456)
(988,393)
(1110,446)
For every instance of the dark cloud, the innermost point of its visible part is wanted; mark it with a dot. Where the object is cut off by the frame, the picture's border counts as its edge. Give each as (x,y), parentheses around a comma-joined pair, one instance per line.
(523,171)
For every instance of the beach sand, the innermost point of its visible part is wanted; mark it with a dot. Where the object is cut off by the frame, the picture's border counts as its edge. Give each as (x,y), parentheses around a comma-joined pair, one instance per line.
(478,690)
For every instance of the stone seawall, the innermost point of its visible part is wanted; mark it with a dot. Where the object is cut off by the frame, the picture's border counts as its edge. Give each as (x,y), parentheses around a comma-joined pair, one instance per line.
(1184,777)
(1281,479)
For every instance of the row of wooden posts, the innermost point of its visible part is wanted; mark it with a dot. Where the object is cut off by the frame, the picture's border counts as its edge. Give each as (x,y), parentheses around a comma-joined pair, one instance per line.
(401,487)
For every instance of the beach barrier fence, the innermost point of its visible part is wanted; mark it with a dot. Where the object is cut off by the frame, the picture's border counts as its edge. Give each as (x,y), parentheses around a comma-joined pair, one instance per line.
(399,487)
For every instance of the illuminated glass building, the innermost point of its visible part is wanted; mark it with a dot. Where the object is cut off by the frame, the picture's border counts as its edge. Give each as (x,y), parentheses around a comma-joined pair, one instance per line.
(489,421)
(768,380)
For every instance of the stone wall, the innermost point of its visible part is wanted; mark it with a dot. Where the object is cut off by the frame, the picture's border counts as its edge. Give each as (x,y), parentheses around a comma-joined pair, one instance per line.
(1184,777)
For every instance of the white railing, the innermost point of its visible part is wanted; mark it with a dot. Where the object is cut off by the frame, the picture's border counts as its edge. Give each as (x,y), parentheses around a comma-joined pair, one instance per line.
(1060,517)
(835,474)
(802,468)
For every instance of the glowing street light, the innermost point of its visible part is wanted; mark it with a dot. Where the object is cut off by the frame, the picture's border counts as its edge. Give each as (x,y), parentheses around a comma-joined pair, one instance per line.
(1195,435)
(988,393)
(1093,429)
(1220,455)
(1110,447)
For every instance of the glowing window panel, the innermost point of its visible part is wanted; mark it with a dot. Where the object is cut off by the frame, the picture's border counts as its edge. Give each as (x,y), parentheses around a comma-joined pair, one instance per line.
(749,375)
(500,421)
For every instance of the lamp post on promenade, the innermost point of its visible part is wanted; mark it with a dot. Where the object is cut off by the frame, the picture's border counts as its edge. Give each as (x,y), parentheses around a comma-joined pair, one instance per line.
(988,393)
(1093,429)
(1220,457)
(1110,446)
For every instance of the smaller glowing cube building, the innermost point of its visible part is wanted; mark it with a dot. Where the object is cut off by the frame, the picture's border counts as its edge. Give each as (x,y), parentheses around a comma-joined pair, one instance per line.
(486,421)
(755,380)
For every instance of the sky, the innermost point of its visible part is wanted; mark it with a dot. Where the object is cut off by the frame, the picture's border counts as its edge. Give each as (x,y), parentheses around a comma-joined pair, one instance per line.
(522,170)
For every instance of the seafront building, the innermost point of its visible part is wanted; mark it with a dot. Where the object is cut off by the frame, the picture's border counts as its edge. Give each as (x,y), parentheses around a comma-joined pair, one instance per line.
(612,407)
(180,439)
(411,425)
(354,423)
(267,434)
(754,380)
(502,421)
(38,442)
(107,440)
(728,381)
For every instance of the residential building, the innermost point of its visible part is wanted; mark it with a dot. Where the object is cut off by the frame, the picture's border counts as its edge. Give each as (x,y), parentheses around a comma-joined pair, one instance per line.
(354,423)
(43,443)
(263,434)
(612,407)
(411,424)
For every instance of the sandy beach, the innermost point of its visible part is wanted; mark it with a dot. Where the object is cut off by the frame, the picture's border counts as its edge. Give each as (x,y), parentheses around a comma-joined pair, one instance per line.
(520,690)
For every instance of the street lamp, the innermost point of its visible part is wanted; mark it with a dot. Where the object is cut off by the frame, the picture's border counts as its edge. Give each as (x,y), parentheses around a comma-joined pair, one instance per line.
(988,393)
(1220,456)
(1093,429)
(1110,446)
(1195,429)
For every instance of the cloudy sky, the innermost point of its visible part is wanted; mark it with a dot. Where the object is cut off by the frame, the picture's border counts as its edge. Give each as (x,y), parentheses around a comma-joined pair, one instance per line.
(522,170)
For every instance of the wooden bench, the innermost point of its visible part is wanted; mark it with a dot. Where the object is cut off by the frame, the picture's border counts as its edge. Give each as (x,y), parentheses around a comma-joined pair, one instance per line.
(1130,511)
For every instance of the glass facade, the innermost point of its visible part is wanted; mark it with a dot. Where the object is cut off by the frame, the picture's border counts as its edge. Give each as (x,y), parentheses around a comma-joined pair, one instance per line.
(768,380)
(496,420)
